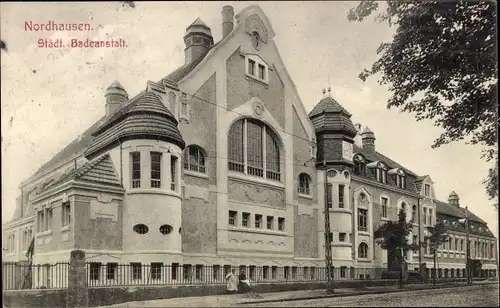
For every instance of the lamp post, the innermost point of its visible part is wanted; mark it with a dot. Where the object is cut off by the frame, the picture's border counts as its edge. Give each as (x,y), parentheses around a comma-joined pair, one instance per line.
(467,246)
(328,246)
(420,225)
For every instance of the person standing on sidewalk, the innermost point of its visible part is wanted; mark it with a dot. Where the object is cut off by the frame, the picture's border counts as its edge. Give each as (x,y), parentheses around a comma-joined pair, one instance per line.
(232,282)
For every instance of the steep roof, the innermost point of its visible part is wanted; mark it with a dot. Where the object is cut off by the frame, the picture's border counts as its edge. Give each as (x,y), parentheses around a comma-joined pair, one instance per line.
(100,170)
(329,115)
(454,211)
(377,156)
(146,116)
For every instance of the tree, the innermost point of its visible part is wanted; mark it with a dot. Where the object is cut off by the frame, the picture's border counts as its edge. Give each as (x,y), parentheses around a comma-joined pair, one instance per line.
(437,236)
(394,239)
(441,65)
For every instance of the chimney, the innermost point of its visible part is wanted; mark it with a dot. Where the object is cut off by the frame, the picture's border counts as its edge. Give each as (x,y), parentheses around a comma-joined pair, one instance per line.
(453,199)
(198,40)
(227,20)
(357,138)
(368,139)
(116,96)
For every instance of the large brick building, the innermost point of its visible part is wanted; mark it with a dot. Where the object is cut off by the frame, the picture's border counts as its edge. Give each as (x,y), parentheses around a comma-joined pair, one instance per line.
(220,164)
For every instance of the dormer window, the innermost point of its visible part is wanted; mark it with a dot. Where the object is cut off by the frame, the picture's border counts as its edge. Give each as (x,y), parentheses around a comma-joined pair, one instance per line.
(359,166)
(379,169)
(427,190)
(401,179)
(256,68)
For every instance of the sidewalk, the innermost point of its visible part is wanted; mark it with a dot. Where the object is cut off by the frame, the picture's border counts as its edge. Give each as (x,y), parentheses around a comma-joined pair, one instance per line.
(241,299)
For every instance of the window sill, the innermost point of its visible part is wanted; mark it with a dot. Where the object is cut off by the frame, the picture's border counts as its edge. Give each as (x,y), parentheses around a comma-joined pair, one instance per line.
(258,231)
(254,78)
(341,244)
(364,260)
(196,174)
(65,228)
(254,179)
(340,210)
(44,233)
(153,191)
(305,196)
(384,219)
(363,233)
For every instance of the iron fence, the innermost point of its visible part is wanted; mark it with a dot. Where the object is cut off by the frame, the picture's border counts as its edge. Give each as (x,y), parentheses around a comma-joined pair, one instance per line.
(114,274)
(16,276)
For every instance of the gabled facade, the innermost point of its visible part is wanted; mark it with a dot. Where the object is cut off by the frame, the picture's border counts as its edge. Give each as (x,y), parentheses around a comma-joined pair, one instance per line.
(218,163)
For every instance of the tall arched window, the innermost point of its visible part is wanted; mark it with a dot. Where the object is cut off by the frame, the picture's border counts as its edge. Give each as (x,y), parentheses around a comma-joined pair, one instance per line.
(359,165)
(414,213)
(253,149)
(194,159)
(363,251)
(304,184)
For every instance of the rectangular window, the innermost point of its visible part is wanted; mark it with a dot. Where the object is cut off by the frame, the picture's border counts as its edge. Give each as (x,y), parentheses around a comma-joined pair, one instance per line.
(281,224)
(245,219)
(66,214)
(341,237)
(136,169)
(313,272)
(343,272)
(431,218)
(258,221)
(415,240)
(270,222)
(265,272)
(427,190)
(252,272)
(362,220)
(341,196)
(175,268)
(173,164)
(384,205)
(199,272)
(274,270)
(186,271)
(262,72)
(330,237)
(286,272)
(155,170)
(329,195)
(232,218)
(136,270)
(95,269)
(216,272)
(294,272)
(251,67)
(111,270)
(49,219)
(156,270)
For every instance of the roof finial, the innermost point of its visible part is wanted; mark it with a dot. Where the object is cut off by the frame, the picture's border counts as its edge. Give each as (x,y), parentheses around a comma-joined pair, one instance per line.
(329,91)
(324,91)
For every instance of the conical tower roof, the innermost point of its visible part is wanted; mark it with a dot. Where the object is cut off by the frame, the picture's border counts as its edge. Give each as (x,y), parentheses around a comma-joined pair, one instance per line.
(145,117)
(329,115)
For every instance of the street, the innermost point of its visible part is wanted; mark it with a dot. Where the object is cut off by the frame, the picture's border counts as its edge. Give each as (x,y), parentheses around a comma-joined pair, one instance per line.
(476,296)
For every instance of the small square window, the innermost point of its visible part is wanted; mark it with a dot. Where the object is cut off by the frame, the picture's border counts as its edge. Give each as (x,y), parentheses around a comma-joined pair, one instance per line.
(281,224)
(342,237)
(232,218)
(270,222)
(245,219)
(258,221)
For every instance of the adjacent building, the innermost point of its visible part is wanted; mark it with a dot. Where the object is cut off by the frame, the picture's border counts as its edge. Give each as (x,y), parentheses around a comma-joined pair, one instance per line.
(219,163)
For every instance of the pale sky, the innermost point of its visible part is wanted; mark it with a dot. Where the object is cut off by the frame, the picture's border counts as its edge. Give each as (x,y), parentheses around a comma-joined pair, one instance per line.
(50,96)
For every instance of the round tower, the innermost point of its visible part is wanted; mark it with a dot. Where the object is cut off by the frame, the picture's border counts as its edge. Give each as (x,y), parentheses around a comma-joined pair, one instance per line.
(198,40)
(368,139)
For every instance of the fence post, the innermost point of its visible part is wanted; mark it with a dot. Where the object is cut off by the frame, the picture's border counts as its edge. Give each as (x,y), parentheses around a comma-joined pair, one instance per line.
(77,293)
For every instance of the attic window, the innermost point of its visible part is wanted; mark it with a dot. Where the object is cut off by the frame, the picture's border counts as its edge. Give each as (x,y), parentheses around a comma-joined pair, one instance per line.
(256,68)
(427,190)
